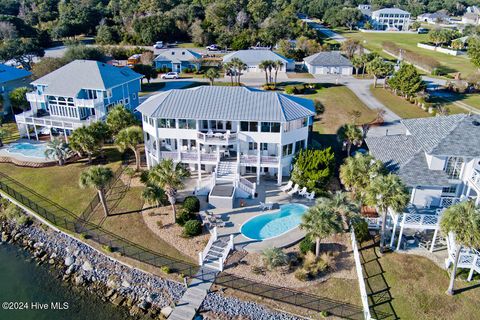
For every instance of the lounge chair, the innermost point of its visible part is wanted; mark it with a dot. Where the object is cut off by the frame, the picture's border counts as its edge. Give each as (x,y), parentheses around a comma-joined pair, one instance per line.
(210,133)
(287,187)
(303,192)
(294,190)
(266,206)
(311,195)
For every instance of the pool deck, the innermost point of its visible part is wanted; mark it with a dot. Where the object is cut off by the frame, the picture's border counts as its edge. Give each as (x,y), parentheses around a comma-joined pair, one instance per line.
(268,192)
(21,158)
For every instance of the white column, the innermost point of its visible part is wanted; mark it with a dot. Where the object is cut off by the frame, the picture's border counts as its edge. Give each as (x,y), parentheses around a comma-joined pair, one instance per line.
(36,133)
(179,150)
(28,131)
(51,136)
(401,232)
(393,231)
(433,240)
(258,162)
(199,165)
(280,168)
(65,135)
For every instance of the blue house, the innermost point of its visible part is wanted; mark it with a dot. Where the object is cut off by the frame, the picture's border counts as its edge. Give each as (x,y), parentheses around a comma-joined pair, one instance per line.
(76,95)
(177,59)
(10,78)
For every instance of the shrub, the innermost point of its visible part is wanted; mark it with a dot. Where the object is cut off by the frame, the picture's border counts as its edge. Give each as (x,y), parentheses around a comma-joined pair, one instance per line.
(274,257)
(313,265)
(289,90)
(319,107)
(23,220)
(107,248)
(192,228)
(360,226)
(191,204)
(324,314)
(301,274)
(160,224)
(166,269)
(307,245)
(84,236)
(184,216)
(258,270)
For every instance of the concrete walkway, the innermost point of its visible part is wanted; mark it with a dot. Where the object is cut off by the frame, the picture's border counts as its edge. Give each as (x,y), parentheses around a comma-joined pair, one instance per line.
(188,305)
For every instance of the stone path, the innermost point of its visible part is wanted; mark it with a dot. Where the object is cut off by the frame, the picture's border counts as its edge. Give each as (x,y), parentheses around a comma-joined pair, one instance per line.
(197,291)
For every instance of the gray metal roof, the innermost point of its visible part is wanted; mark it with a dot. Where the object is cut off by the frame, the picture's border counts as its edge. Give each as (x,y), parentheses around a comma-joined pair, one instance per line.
(456,135)
(327,59)
(8,73)
(85,74)
(177,55)
(227,103)
(254,57)
(391,10)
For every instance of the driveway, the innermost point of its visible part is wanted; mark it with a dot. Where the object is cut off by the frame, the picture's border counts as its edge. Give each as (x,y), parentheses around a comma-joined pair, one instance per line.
(326,31)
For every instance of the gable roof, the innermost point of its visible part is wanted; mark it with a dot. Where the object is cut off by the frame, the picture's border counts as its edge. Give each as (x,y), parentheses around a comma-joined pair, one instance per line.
(391,10)
(227,103)
(8,73)
(328,59)
(456,135)
(85,74)
(254,57)
(177,55)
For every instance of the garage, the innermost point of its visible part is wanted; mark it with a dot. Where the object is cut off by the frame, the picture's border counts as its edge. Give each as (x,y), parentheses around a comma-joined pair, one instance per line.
(328,63)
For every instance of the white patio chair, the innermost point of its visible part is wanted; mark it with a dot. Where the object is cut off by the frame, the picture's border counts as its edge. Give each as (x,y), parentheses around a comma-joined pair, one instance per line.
(287,187)
(311,195)
(227,134)
(266,206)
(303,192)
(294,190)
(210,133)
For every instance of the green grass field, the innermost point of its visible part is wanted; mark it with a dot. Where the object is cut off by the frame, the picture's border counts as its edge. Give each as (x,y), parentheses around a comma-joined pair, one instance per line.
(373,41)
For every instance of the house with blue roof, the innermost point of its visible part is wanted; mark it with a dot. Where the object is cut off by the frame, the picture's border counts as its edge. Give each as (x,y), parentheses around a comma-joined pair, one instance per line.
(76,95)
(253,58)
(10,78)
(177,59)
(231,132)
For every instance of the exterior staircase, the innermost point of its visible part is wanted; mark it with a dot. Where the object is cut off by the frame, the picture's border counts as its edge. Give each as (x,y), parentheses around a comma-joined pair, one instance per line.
(216,251)
(226,170)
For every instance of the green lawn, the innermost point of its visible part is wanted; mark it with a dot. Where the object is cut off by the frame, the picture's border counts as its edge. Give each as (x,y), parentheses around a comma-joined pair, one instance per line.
(148,88)
(12,129)
(60,184)
(373,41)
(418,288)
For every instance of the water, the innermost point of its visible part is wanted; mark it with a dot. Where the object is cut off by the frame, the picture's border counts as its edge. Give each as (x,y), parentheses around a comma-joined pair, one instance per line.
(274,224)
(21,280)
(28,149)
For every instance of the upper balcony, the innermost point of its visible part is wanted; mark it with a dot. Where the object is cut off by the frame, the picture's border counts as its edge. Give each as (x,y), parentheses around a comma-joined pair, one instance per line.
(214,138)
(88,103)
(34,97)
(30,117)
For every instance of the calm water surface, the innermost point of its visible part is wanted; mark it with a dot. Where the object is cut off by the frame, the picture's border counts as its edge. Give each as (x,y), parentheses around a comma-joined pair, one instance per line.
(21,280)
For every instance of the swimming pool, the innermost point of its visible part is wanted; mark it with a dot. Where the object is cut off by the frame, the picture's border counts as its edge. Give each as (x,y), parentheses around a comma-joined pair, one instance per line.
(273,224)
(29,150)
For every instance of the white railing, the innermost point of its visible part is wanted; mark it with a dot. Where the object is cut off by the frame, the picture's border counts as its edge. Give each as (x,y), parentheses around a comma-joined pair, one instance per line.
(34,97)
(226,252)
(248,159)
(189,156)
(210,157)
(361,280)
(88,103)
(424,220)
(216,138)
(52,121)
(475,178)
(270,159)
(169,155)
(374,223)
(446,202)
(203,254)
(469,258)
(245,185)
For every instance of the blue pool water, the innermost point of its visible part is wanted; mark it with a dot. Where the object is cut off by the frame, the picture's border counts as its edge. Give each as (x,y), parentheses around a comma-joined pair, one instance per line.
(28,149)
(273,224)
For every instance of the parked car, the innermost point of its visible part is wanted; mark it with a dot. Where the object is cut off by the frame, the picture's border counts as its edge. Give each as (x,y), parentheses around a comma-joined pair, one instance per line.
(158,45)
(422,30)
(134,59)
(170,75)
(213,47)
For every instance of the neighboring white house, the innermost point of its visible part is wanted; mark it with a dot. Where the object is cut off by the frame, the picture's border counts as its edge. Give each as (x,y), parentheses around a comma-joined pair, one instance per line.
(76,95)
(365,9)
(328,62)
(438,158)
(471,16)
(10,78)
(177,59)
(391,19)
(439,17)
(227,131)
(252,58)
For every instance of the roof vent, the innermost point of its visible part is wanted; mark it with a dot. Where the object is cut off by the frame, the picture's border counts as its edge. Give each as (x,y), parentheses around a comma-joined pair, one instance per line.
(476,123)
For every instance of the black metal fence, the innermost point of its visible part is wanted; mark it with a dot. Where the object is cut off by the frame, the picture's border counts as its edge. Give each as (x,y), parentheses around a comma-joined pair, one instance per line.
(68,221)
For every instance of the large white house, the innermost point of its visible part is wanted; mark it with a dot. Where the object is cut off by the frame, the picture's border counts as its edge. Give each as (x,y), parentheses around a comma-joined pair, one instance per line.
(437,158)
(76,95)
(227,131)
(252,58)
(391,19)
(328,62)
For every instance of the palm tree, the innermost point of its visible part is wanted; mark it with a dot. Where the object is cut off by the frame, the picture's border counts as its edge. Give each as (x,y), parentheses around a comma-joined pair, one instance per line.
(463,220)
(264,66)
(277,65)
(101,133)
(57,149)
(379,68)
(83,141)
(229,68)
(97,177)
(238,66)
(3,135)
(341,205)
(168,176)
(357,63)
(357,172)
(211,75)
(350,135)
(130,138)
(320,222)
(153,194)
(384,192)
